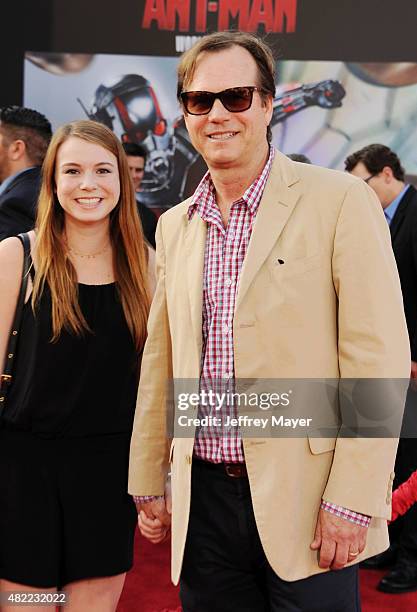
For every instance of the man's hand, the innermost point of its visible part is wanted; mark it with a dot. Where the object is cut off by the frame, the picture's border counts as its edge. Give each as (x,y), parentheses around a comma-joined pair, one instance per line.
(152,529)
(338,540)
(154,517)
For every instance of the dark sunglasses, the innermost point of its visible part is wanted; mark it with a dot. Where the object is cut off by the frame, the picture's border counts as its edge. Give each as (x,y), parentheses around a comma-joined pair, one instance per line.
(234,99)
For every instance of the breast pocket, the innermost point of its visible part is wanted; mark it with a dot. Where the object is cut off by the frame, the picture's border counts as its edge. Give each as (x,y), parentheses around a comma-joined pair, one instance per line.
(285,267)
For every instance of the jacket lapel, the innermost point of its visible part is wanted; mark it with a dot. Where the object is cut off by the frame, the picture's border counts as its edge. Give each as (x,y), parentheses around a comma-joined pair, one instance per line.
(195,240)
(278,201)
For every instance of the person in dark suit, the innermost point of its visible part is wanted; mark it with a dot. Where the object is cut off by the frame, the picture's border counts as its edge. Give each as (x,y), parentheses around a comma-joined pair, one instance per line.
(136,158)
(380,167)
(24,139)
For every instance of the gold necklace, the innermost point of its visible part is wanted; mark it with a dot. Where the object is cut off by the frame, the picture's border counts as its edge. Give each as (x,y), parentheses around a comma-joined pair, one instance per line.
(88,255)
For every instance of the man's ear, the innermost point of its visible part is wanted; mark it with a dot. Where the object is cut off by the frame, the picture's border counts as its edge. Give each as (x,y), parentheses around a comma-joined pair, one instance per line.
(268,104)
(16,150)
(387,173)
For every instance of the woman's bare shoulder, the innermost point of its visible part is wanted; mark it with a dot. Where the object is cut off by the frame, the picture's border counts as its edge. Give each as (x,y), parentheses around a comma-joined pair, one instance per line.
(11,255)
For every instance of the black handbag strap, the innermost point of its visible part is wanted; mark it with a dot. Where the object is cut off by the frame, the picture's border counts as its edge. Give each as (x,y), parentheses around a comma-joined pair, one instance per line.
(6,378)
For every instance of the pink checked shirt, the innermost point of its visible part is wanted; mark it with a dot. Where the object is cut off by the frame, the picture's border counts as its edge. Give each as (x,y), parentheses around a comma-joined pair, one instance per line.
(225,252)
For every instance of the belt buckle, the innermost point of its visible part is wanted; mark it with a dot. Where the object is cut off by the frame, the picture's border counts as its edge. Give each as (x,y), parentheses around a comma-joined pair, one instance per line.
(233,470)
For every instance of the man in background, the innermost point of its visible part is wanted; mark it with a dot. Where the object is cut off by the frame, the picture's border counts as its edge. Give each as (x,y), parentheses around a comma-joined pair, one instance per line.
(24,139)
(381,169)
(136,158)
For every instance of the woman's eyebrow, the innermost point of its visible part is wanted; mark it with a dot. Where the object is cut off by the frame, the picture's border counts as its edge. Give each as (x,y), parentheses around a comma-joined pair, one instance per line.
(97,164)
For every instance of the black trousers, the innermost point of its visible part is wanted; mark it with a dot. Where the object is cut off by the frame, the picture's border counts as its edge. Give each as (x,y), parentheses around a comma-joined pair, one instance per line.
(225,568)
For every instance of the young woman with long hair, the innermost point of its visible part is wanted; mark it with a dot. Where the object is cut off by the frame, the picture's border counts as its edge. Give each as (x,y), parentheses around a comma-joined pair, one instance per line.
(66,520)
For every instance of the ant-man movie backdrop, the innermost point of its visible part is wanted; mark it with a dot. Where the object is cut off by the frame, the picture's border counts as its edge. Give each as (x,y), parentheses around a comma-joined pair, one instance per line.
(324,110)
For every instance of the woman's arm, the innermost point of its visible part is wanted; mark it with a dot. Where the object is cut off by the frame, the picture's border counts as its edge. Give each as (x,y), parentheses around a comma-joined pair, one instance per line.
(11,263)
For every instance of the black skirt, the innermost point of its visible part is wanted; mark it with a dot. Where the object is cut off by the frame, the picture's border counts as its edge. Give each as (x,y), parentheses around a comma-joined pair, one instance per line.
(65,514)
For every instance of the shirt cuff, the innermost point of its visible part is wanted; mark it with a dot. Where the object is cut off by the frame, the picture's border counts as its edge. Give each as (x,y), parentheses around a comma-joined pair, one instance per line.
(349,515)
(142,499)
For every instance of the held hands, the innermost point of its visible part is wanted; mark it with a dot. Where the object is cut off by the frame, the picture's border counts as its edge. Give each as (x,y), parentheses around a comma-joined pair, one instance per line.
(338,541)
(154,517)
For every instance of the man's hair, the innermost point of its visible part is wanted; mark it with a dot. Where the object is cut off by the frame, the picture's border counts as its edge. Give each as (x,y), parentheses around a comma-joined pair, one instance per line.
(375,157)
(219,41)
(299,157)
(131,148)
(19,123)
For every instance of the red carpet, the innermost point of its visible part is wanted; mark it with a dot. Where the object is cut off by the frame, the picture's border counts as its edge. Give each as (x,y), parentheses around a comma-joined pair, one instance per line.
(148,587)
(373,600)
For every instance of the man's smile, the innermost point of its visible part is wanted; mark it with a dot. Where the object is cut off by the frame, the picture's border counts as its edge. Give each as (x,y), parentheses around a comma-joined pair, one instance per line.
(222,135)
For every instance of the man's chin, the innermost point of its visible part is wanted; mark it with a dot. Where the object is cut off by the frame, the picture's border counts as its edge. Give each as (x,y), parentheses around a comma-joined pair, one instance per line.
(222,159)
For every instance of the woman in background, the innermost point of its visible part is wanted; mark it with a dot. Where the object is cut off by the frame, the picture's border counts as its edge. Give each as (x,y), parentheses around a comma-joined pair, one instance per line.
(66,520)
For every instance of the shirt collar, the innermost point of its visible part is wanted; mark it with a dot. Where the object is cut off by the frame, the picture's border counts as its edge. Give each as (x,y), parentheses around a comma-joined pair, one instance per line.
(390,210)
(7,181)
(204,199)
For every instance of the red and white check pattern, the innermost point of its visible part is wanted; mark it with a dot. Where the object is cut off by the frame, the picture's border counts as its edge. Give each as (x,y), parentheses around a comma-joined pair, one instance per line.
(349,515)
(225,252)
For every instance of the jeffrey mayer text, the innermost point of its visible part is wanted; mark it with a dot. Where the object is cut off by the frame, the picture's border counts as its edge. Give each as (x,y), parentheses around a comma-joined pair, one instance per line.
(243,420)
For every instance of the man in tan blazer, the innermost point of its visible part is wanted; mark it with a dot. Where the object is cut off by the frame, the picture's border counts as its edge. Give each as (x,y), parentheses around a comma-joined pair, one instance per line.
(272,270)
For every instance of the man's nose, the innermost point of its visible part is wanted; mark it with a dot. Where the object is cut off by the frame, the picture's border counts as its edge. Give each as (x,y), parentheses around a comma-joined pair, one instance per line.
(218,111)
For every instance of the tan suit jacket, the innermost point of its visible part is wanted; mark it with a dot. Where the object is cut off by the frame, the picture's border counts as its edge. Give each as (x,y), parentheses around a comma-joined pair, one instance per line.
(333,310)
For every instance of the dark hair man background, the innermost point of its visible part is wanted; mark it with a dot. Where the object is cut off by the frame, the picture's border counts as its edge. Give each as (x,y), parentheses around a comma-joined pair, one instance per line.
(24,139)
(380,167)
(136,158)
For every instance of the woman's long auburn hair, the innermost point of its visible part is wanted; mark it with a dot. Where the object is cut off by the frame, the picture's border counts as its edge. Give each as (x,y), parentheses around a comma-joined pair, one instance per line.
(53,266)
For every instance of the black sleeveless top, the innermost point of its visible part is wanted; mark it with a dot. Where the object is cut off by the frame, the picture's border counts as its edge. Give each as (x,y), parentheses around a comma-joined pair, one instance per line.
(78,386)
